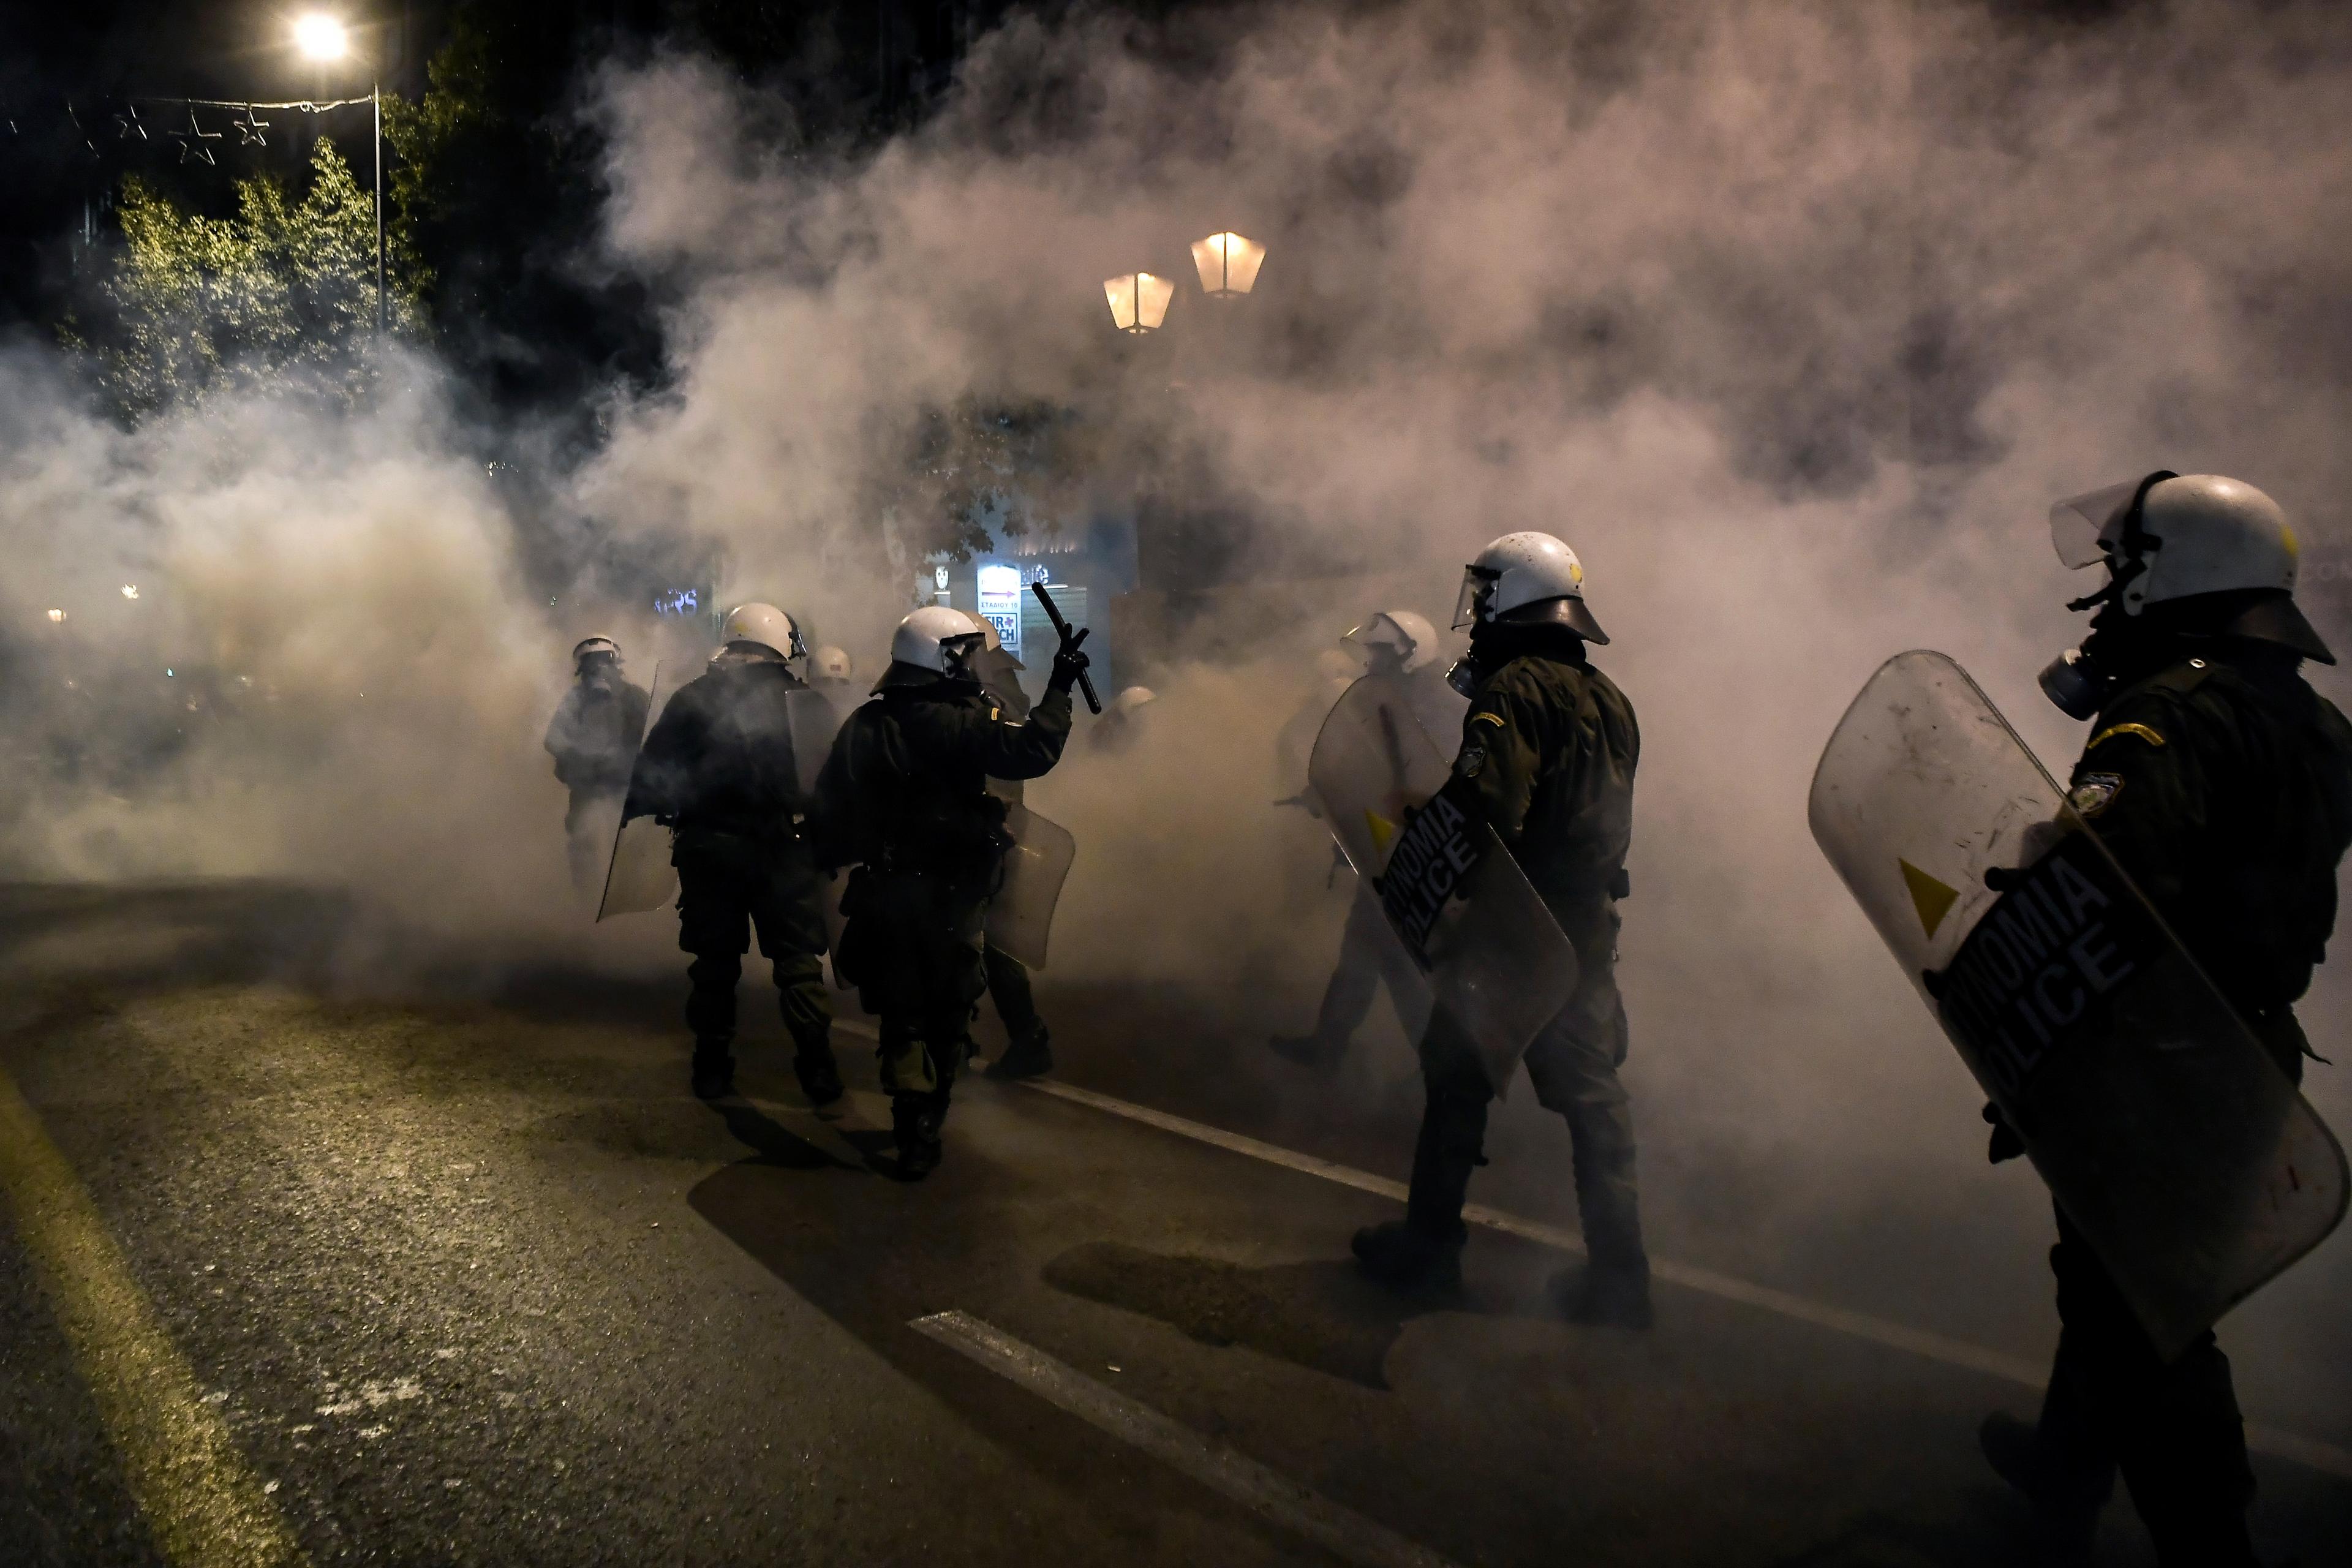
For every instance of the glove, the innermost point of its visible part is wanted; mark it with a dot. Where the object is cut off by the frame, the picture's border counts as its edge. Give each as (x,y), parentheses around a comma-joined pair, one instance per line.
(2006,1143)
(1069,663)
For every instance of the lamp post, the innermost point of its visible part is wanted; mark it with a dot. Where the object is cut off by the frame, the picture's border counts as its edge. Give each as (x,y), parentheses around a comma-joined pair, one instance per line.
(322,38)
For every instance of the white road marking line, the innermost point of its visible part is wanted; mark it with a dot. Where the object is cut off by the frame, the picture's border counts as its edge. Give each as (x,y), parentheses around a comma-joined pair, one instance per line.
(2328,1458)
(1268,1493)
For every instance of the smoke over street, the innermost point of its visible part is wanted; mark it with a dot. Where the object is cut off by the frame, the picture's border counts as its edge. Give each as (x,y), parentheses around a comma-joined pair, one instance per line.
(1792,319)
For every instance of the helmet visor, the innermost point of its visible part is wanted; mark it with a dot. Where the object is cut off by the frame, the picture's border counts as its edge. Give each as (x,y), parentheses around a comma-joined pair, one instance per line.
(956,652)
(1477,588)
(2087,527)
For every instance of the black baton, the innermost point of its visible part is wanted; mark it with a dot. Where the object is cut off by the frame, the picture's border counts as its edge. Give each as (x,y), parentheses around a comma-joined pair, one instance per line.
(1062,629)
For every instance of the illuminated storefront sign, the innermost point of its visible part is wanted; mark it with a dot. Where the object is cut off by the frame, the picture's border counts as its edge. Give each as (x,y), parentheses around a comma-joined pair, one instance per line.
(999,604)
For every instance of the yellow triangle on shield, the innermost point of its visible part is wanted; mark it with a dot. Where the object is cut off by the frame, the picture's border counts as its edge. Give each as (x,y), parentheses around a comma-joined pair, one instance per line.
(1932,899)
(1382,830)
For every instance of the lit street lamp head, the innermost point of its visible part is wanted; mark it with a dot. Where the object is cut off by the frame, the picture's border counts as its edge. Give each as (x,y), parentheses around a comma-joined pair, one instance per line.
(1227,263)
(321,37)
(1139,300)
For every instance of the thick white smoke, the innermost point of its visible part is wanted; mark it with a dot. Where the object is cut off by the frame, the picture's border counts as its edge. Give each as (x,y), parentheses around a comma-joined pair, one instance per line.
(1791,316)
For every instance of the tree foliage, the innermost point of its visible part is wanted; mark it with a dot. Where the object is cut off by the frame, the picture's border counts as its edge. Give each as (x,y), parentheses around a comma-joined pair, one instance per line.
(499,181)
(981,474)
(281,294)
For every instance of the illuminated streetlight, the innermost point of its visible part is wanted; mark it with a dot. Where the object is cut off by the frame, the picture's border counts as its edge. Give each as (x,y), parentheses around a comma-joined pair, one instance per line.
(1139,300)
(321,37)
(1227,263)
(56,614)
(131,589)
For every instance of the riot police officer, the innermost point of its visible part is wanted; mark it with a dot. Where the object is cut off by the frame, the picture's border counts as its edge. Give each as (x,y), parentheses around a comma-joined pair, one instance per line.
(1547,759)
(591,737)
(720,767)
(1028,1050)
(1400,645)
(834,675)
(2223,784)
(905,795)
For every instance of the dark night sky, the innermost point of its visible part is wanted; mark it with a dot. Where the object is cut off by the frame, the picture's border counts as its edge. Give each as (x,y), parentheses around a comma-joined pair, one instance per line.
(97,54)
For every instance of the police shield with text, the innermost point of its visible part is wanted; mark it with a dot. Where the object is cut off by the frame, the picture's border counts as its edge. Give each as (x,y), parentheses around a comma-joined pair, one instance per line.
(2118,965)
(905,798)
(1544,782)
(1402,647)
(721,770)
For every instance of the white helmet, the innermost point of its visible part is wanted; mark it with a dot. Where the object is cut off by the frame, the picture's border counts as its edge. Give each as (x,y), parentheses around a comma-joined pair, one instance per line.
(1134,697)
(587,646)
(830,663)
(1524,578)
(763,626)
(936,637)
(1409,637)
(2168,537)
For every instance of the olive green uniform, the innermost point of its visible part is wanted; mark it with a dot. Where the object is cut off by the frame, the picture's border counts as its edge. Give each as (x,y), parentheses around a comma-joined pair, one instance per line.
(1548,749)
(2223,784)
(905,795)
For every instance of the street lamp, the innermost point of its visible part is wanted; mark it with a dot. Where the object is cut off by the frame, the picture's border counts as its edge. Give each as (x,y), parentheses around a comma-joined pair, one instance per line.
(1227,263)
(1139,300)
(322,38)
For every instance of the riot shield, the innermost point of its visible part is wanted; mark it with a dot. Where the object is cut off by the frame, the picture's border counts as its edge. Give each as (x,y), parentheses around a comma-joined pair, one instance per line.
(1022,913)
(2167,1133)
(1497,964)
(638,878)
(814,722)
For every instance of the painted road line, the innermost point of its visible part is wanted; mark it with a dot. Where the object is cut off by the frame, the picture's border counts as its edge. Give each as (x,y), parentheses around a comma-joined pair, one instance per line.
(1266,1493)
(2325,1457)
(203,1500)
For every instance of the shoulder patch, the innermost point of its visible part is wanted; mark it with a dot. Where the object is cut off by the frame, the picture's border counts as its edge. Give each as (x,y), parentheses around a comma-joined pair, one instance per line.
(1472,761)
(2093,792)
(1494,719)
(2116,732)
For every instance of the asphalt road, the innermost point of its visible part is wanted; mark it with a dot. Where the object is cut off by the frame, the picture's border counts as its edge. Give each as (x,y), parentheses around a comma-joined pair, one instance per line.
(478,1281)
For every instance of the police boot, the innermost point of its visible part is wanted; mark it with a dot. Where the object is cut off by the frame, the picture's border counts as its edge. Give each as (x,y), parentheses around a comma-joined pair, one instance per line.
(1424,1250)
(2068,1505)
(1311,1051)
(1406,1258)
(914,1123)
(1026,1054)
(714,1069)
(820,1076)
(1611,1293)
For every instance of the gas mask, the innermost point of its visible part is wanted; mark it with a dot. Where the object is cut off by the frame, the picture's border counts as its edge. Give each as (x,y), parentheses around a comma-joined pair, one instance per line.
(2104,525)
(1464,676)
(2076,684)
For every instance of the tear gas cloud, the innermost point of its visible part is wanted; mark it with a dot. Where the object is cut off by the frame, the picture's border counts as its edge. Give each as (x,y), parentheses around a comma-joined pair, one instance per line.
(1791,318)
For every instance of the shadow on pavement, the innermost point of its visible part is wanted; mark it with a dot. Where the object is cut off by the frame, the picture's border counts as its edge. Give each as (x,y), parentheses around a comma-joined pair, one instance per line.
(873,1255)
(1323,1315)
